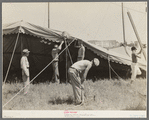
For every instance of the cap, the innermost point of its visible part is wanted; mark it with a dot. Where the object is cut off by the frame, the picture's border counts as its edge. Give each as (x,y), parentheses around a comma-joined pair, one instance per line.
(133,48)
(26,51)
(96,61)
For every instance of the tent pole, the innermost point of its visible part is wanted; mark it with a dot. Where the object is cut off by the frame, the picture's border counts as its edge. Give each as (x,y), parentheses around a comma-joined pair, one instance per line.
(11,58)
(123,25)
(69,56)
(66,60)
(48,15)
(125,43)
(21,45)
(136,33)
(109,67)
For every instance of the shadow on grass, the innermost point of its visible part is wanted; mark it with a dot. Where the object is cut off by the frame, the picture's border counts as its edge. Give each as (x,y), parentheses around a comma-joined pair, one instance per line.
(59,100)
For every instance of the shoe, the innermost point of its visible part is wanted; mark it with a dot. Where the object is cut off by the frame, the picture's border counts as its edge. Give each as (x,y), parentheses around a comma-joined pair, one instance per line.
(78,103)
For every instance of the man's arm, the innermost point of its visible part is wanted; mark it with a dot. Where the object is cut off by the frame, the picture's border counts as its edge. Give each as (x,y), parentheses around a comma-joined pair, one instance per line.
(83,51)
(60,46)
(139,52)
(86,71)
(137,56)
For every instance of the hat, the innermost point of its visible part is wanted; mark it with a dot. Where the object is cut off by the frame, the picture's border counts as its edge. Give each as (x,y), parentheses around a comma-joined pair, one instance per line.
(96,61)
(133,48)
(26,51)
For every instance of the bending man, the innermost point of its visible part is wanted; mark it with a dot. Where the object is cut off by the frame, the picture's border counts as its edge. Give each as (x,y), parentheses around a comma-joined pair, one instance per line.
(81,67)
(25,70)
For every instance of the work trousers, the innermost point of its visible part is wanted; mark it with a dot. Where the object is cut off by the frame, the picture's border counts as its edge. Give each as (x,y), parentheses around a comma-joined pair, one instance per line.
(55,72)
(135,71)
(77,85)
(26,81)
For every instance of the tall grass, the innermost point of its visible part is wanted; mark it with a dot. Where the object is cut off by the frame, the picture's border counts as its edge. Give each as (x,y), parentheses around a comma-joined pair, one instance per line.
(100,95)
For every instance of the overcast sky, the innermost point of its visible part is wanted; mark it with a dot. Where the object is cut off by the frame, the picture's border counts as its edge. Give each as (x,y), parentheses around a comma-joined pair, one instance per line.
(86,20)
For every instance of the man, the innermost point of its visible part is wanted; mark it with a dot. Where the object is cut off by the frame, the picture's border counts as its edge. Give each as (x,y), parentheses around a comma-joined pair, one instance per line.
(25,70)
(55,51)
(81,51)
(80,67)
(134,66)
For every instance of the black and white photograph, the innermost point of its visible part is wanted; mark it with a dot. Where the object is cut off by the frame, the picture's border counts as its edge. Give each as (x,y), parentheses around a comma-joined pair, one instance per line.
(74,59)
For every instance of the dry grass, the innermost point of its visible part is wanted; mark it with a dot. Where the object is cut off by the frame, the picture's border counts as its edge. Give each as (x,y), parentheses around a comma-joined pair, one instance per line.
(100,95)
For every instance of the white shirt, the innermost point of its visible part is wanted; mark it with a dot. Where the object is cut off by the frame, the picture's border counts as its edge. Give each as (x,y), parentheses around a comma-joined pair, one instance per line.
(25,65)
(24,62)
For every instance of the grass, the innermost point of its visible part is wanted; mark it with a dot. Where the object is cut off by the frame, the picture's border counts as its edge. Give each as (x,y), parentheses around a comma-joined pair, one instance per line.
(100,95)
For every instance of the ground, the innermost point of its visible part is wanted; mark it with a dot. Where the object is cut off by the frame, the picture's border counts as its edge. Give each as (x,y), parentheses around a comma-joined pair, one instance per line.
(100,95)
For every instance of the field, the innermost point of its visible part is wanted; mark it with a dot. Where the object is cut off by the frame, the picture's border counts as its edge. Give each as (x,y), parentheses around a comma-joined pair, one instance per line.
(100,95)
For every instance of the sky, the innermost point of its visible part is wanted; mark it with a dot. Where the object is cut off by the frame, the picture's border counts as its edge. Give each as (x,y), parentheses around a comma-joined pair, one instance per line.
(84,20)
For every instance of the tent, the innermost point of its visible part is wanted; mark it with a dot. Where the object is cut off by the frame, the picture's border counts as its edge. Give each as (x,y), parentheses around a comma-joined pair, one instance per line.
(40,42)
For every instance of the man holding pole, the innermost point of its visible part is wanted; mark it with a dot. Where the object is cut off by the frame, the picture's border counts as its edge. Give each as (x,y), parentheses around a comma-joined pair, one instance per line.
(55,51)
(80,67)
(25,70)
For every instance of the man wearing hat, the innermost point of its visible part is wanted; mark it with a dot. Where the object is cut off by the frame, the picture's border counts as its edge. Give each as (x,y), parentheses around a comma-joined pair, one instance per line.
(134,66)
(80,67)
(25,69)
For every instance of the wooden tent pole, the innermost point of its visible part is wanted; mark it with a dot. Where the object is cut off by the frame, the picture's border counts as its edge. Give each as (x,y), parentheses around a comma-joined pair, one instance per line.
(70,56)
(123,25)
(21,45)
(109,67)
(48,15)
(66,60)
(136,33)
(125,43)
